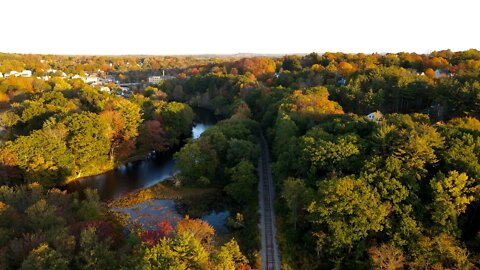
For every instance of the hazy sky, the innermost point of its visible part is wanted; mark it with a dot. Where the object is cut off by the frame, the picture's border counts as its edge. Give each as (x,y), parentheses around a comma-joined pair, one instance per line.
(225,26)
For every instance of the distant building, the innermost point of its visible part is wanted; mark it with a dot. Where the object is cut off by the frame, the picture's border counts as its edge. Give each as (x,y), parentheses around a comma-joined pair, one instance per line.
(375,117)
(1,75)
(76,76)
(105,89)
(25,73)
(91,79)
(158,79)
(109,78)
(154,79)
(45,78)
(10,73)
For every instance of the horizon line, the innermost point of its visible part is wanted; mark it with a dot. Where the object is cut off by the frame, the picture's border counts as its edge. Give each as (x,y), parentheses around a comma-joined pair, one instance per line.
(238,54)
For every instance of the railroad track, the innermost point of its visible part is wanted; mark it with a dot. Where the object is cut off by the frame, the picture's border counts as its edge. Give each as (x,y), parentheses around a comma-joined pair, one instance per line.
(269,250)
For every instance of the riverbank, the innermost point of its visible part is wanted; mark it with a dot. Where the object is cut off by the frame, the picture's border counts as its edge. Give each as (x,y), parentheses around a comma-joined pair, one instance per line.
(163,191)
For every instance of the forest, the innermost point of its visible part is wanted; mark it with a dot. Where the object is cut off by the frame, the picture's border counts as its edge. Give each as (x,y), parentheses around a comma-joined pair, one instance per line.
(375,159)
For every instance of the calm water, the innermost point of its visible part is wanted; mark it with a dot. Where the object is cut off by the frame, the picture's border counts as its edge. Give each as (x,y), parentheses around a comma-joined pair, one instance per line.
(150,213)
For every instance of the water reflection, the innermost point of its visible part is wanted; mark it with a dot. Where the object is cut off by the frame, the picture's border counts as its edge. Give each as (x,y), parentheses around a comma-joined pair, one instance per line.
(217,220)
(150,213)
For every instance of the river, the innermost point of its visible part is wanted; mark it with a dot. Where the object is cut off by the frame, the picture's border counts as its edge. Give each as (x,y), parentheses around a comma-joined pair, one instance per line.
(146,173)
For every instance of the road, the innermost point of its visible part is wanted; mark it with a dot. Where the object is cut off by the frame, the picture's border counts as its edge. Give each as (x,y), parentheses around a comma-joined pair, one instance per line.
(269,248)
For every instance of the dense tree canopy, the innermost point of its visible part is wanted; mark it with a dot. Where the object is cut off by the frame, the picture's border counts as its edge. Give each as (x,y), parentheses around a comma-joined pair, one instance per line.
(393,190)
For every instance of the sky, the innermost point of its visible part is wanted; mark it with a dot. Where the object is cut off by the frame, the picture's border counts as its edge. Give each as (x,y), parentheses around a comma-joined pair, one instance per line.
(185,27)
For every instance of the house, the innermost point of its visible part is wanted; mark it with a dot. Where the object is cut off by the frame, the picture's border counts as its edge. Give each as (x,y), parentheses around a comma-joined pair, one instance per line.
(375,117)
(124,91)
(11,73)
(109,78)
(105,89)
(91,79)
(45,78)
(1,75)
(25,73)
(158,79)
(76,76)
(154,79)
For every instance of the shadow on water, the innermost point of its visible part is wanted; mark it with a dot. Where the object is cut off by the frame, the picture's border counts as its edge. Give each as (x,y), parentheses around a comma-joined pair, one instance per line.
(128,177)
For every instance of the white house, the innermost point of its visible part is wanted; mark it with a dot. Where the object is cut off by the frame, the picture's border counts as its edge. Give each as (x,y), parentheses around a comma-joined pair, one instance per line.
(154,79)
(1,75)
(105,89)
(91,79)
(375,116)
(25,73)
(11,73)
(45,78)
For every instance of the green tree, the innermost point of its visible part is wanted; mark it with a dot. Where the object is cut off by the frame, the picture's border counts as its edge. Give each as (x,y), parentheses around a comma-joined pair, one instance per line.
(229,257)
(451,196)
(87,141)
(177,118)
(94,254)
(439,252)
(326,152)
(244,180)
(182,251)
(295,194)
(41,157)
(349,209)
(131,118)
(291,63)
(238,150)
(162,256)
(45,258)
(197,161)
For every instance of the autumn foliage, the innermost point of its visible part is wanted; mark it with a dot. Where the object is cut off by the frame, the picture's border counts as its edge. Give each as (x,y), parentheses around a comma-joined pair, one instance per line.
(257,66)
(313,102)
(152,237)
